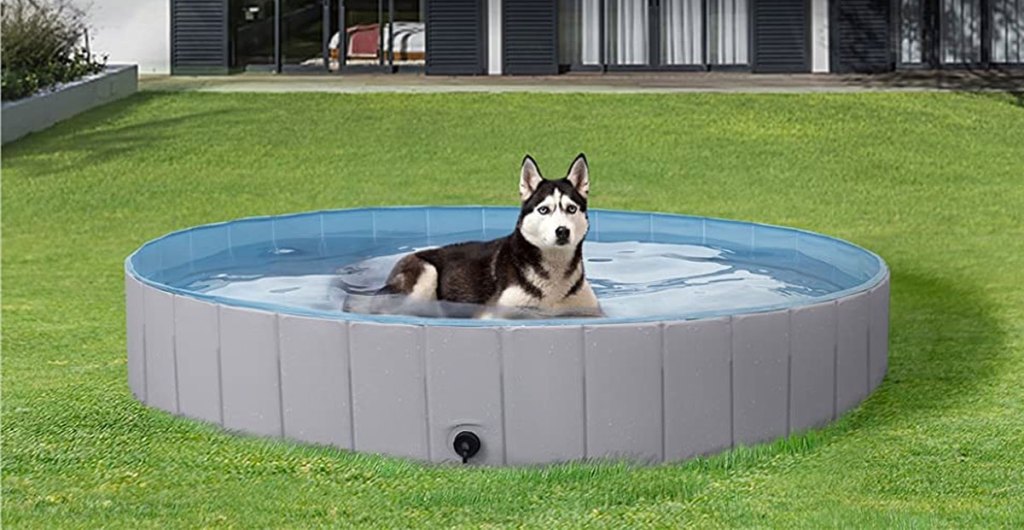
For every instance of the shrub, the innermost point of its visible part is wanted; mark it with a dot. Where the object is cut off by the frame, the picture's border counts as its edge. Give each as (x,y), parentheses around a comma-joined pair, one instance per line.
(44,43)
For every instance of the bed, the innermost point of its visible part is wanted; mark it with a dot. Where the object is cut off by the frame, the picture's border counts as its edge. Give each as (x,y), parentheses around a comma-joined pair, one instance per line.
(364,42)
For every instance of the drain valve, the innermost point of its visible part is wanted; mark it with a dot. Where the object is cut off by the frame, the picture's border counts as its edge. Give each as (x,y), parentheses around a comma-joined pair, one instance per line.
(466,445)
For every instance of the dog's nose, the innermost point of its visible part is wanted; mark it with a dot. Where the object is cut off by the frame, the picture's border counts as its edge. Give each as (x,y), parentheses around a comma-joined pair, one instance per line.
(562,234)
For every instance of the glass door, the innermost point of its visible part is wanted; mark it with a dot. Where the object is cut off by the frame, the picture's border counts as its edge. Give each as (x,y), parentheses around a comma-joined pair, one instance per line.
(708,33)
(654,34)
(408,46)
(580,34)
(302,34)
(252,34)
(378,34)
(328,35)
(1007,39)
(681,31)
(728,33)
(628,33)
(961,32)
(363,26)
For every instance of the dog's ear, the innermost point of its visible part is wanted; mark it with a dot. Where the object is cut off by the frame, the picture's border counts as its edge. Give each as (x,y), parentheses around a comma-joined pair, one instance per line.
(529,178)
(579,175)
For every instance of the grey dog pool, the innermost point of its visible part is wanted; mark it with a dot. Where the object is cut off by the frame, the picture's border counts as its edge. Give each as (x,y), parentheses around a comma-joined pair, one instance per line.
(718,333)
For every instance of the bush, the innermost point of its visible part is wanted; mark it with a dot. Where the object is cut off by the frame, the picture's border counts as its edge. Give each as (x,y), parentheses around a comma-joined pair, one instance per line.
(44,43)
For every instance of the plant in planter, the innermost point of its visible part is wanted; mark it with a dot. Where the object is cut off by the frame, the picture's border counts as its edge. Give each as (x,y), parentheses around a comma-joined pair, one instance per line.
(45,42)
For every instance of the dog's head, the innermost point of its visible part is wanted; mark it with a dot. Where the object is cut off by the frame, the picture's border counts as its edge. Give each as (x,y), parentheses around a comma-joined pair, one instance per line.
(554,212)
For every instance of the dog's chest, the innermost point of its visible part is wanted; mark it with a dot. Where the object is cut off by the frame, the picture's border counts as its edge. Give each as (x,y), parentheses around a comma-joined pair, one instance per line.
(549,289)
(553,286)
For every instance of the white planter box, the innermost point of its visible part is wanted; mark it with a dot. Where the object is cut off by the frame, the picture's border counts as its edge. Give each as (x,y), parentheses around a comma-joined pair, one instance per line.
(41,110)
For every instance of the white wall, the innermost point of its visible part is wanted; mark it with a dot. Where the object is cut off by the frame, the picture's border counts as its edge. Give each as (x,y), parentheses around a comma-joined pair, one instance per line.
(819,36)
(494,52)
(132,31)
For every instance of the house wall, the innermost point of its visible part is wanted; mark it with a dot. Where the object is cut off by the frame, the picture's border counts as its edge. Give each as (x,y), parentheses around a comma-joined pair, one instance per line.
(494,51)
(819,36)
(134,32)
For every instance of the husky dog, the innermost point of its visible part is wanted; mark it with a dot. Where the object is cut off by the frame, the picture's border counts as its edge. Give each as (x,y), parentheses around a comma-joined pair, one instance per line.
(536,271)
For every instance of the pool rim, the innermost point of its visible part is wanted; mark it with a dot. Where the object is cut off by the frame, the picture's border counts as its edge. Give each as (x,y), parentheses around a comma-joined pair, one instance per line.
(867,285)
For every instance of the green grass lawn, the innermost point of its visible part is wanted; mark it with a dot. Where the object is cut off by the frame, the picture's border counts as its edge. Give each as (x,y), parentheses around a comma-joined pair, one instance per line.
(932,182)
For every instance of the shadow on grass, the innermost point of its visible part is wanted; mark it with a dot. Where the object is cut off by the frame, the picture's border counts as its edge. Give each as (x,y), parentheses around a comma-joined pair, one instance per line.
(945,345)
(96,137)
(945,341)
(972,80)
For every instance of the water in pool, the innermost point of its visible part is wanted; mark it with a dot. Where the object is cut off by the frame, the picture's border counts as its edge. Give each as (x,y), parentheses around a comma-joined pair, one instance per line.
(631,279)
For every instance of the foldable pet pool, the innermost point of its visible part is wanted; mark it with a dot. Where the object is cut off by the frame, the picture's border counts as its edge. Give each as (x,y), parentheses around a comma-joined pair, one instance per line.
(719,333)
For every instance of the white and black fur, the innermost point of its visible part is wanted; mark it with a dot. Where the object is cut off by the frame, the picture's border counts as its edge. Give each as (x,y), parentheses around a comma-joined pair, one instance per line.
(536,271)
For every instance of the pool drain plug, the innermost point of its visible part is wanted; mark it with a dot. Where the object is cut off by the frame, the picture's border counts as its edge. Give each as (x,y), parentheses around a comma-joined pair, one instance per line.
(466,445)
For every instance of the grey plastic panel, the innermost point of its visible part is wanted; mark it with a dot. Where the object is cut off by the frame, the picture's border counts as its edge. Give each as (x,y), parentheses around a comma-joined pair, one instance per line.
(135,336)
(161,378)
(878,331)
(543,382)
(198,359)
(851,352)
(464,391)
(389,389)
(698,401)
(534,394)
(624,424)
(314,380)
(250,371)
(812,366)
(760,372)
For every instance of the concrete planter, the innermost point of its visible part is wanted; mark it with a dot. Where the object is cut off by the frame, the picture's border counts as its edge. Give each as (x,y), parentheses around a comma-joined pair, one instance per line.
(41,110)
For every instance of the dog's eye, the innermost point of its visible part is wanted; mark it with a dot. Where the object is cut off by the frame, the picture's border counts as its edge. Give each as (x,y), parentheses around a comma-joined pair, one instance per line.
(571,209)
(543,210)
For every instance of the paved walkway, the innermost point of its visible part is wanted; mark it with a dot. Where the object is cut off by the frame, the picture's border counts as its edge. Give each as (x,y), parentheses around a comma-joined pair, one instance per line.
(1012,81)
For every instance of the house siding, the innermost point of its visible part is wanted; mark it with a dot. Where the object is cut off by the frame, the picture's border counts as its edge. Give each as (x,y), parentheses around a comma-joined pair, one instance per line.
(530,30)
(862,36)
(456,37)
(199,36)
(476,37)
(782,36)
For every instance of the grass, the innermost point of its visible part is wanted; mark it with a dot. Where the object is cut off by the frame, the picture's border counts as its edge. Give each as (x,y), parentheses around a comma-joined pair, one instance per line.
(932,182)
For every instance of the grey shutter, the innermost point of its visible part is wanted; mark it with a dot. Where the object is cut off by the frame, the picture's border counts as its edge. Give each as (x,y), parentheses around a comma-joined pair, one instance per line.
(455,37)
(199,36)
(782,36)
(862,36)
(530,40)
